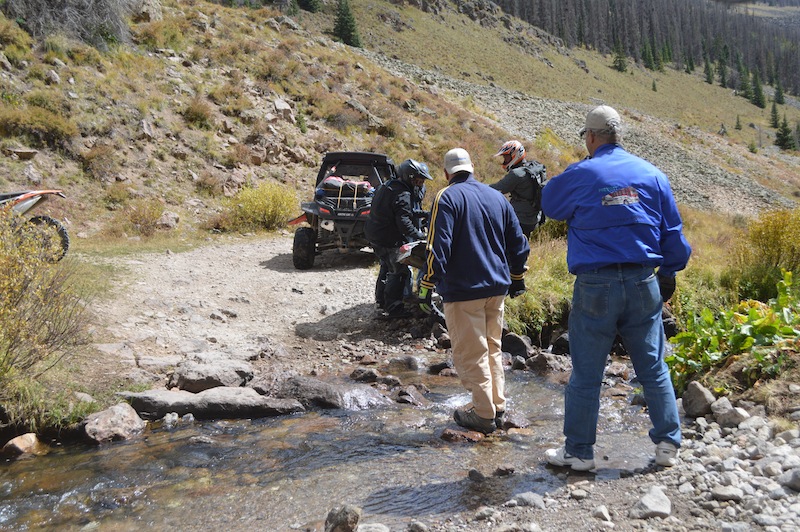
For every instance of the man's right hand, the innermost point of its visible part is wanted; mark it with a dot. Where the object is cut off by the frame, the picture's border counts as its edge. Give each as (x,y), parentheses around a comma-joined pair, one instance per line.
(425,300)
(517,288)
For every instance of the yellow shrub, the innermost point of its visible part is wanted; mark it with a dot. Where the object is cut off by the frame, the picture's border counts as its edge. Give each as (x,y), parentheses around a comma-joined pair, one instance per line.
(266,206)
(769,245)
(41,318)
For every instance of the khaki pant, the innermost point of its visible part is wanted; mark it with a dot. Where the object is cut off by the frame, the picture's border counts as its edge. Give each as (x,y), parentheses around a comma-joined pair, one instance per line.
(475,328)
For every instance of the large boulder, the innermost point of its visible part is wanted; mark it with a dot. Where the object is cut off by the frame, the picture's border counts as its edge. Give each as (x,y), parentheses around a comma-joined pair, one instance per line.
(24,444)
(119,422)
(697,400)
(216,403)
(197,376)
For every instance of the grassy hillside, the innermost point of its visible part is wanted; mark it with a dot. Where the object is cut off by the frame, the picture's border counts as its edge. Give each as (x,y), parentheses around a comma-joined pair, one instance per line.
(513,54)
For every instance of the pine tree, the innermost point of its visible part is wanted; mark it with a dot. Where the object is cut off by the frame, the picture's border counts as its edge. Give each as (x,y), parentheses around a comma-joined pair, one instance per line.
(709,72)
(738,123)
(745,89)
(778,98)
(647,57)
(620,59)
(774,120)
(758,99)
(654,86)
(784,138)
(722,71)
(344,27)
(312,6)
(294,8)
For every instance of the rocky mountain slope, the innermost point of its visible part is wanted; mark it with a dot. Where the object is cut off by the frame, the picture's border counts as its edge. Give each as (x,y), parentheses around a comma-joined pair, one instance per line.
(140,136)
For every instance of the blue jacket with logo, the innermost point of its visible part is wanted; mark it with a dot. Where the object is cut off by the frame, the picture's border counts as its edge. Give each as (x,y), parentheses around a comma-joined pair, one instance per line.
(619,208)
(475,243)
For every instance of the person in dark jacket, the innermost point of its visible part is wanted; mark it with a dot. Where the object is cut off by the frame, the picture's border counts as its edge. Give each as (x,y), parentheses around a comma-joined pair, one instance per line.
(623,224)
(477,254)
(392,222)
(518,184)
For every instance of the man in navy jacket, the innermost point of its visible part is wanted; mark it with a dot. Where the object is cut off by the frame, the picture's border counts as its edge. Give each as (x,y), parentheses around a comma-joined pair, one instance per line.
(623,225)
(477,254)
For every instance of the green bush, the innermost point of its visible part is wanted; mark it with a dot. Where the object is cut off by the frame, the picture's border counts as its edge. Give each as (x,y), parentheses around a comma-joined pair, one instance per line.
(100,162)
(41,316)
(267,206)
(15,43)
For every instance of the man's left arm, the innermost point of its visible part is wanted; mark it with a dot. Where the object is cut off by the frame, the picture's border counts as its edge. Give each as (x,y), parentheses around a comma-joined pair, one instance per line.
(517,248)
(674,247)
(557,198)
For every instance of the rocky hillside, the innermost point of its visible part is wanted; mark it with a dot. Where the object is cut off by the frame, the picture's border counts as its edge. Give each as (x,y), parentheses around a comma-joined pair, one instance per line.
(209,99)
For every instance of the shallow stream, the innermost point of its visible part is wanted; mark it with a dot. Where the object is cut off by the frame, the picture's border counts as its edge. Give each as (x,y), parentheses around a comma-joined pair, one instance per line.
(287,473)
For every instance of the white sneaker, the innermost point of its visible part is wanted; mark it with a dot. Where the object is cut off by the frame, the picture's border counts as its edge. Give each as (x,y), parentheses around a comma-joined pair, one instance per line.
(561,458)
(666,454)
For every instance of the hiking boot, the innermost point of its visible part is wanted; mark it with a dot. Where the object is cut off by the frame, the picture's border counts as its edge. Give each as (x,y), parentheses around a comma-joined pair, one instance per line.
(666,454)
(498,419)
(472,421)
(561,458)
(397,312)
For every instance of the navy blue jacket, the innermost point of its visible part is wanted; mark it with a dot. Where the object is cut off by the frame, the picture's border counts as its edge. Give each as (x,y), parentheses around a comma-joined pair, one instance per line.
(475,243)
(619,208)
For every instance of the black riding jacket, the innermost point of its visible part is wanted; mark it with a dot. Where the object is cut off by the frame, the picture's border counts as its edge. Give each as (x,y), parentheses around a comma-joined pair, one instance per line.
(391,221)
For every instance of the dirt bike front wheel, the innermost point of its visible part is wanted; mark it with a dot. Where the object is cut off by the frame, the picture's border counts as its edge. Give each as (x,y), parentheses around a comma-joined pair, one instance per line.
(53,236)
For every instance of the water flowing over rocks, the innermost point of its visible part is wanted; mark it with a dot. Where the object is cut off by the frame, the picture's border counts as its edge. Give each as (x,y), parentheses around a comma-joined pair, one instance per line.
(731,475)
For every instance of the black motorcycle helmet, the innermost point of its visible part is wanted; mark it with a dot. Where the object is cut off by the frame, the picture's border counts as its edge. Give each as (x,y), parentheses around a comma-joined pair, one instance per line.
(409,170)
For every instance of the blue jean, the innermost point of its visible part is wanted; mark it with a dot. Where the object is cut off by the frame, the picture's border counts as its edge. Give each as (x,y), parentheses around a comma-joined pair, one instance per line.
(607,301)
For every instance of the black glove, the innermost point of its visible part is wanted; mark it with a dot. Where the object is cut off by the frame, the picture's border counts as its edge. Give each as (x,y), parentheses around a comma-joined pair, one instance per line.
(667,287)
(517,288)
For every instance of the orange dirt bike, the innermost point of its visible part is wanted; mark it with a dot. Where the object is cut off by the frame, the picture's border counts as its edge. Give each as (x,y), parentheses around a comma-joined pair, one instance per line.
(47,230)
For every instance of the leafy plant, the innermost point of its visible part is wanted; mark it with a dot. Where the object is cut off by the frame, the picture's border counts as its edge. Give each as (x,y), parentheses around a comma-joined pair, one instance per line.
(764,331)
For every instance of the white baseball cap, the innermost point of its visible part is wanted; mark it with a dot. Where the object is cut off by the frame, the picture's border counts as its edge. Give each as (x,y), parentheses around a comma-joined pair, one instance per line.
(457,160)
(602,118)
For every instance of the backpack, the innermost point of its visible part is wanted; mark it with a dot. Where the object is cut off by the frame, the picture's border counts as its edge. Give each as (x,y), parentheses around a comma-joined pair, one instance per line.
(538,174)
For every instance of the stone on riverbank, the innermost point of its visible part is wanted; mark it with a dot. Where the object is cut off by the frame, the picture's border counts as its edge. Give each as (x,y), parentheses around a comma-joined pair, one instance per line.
(217,403)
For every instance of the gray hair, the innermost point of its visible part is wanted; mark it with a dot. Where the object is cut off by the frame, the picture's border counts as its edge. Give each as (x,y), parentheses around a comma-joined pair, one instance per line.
(613,132)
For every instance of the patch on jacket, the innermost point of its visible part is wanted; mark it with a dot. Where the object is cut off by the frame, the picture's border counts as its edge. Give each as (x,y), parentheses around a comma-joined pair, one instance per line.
(622,196)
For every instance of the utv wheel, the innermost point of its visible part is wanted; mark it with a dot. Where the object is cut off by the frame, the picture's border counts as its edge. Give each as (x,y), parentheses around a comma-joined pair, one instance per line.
(304,248)
(52,236)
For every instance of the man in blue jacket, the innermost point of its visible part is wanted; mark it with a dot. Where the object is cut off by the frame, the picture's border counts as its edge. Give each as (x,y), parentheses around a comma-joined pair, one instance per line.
(477,254)
(623,225)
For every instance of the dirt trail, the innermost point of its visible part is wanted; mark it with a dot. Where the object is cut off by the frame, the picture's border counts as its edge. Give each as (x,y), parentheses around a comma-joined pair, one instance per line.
(237,296)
